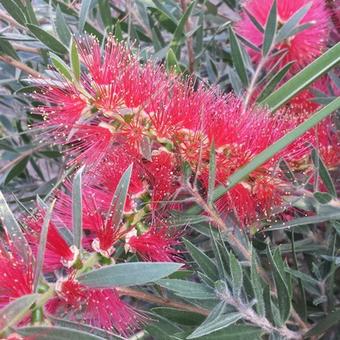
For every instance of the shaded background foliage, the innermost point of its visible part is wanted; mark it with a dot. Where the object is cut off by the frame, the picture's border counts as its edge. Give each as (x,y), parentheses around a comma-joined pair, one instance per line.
(192,38)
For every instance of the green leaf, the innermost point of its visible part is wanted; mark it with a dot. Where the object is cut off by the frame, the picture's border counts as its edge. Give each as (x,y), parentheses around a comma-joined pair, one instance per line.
(304,78)
(323,173)
(13,229)
(42,246)
(212,174)
(55,333)
(105,13)
(289,26)
(179,316)
(219,318)
(283,296)
(267,154)
(171,62)
(15,11)
(237,57)
(47,39)
(61,27)
(7,49)
(323,197)
(331,215)
(236,332)
(270,29)
(254,20)
(117,205)
(322,326)
(274,81)
(84,328)
(17,170)
(178,34)
(236,275)
(118,32)
(257,285)
(188,289)
(128,274)
(77,208)
(15,311)
(84,12)
(61,66)
(205,263)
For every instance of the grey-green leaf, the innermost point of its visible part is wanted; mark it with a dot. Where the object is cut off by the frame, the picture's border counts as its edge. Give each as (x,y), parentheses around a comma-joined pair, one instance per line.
(188,289)
(128,274)
(15,311)
(61,66)
(238,58)
(77,208)
(205,263)
(15,11)
(55,333)
(13,229)
(47,39)
(304,78)
(84,12)
(270,29)
(42,246)
(236,275)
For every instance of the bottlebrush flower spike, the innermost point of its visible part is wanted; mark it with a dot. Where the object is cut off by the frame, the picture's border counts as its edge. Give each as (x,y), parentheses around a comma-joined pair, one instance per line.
(58,252)
(16,274)
(98,307)
(158,244)
(304,46)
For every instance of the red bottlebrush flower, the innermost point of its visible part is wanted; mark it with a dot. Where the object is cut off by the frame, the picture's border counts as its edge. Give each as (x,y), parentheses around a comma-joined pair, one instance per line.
(16,276)
(98,307)
(161,175)
(106,233)
(158,244)
(304,46)
(58,252)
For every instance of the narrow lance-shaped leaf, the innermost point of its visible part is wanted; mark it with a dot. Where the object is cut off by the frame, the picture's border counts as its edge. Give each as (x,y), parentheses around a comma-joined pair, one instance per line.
(292,22)
(13,228)
(128,274)
(46,38)
(15,11)
(324,324)
(237,56)
(172,62)
(323,172)
(15,311)
(270,29)
(212,174)
(205,263)
(42,246)
(55,333)
(254,20)
(84,12)
(283,296)
(175,43)
(61,27)
(75,62)
(219,318)
(277,147)
(119,197)
(256,285)
(274,81)
(61,66)
(236,274)
(77,208)
(304,78)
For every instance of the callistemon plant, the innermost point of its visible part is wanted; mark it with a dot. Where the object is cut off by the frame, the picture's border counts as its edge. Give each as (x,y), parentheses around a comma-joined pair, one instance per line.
(180,209)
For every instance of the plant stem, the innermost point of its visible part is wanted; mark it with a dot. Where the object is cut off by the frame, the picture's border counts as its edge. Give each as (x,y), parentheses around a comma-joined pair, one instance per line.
(161,301)
(21,66)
